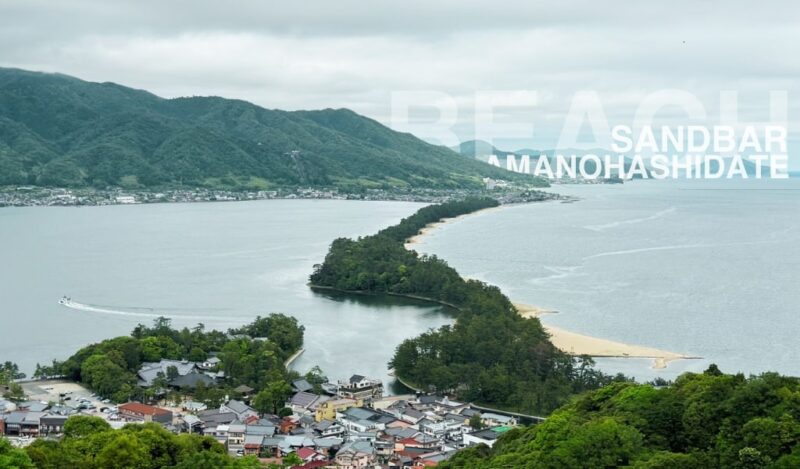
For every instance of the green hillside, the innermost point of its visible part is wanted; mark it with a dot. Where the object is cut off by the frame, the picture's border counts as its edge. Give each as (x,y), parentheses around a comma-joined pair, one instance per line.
(703,420)
(57,130)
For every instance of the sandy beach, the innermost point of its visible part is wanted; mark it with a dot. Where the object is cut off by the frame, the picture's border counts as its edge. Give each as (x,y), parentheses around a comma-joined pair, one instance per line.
(572,342)
(410,242)
(579,344)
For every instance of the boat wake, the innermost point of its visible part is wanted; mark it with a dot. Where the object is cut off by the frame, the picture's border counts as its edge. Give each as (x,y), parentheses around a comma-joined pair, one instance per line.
(137,311)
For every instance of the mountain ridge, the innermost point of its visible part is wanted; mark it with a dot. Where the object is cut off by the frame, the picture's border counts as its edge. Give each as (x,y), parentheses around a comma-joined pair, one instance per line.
(58,130)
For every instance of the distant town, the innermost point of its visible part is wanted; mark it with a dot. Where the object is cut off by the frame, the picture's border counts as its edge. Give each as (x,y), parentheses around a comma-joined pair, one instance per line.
(31,196)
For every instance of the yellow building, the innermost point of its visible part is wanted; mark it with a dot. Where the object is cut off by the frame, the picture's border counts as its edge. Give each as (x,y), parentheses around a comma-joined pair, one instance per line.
(327,410)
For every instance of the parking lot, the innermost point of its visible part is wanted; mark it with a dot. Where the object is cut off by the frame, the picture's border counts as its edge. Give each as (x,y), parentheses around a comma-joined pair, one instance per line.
(66,392)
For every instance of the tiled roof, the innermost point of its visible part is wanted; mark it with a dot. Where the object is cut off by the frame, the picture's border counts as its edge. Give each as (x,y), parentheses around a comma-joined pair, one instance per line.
(305,452)
(304,399)
(149,371)
(143,409)
(238,406)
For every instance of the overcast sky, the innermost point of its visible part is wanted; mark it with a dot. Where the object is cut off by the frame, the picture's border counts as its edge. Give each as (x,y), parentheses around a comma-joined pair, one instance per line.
(356,54)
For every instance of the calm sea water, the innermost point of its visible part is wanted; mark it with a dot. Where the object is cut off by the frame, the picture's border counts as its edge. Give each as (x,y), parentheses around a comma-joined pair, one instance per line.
(220,264)
(708,268)
(704,268)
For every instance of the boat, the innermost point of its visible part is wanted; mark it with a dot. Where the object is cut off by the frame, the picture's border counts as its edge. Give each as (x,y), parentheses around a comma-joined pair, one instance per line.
(64,300)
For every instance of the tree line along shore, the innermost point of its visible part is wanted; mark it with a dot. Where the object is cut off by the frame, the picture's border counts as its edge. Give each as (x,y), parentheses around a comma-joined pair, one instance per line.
(498,353)
(491,355)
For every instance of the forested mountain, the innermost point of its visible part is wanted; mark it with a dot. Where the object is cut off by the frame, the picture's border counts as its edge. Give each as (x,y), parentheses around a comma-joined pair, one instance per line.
(705,420)
(57,130)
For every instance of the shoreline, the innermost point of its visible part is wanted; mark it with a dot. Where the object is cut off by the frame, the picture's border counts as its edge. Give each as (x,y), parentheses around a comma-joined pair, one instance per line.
(569,342)
(289,361)
(427,229)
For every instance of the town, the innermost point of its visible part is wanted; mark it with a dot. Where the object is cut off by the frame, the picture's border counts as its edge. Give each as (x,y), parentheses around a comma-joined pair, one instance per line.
(349,423)
(31,196)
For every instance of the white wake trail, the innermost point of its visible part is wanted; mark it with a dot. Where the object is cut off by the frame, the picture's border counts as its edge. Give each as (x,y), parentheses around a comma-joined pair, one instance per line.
(118,312)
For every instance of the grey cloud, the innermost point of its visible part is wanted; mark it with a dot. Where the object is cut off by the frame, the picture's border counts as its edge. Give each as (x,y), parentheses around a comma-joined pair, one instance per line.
(351,53)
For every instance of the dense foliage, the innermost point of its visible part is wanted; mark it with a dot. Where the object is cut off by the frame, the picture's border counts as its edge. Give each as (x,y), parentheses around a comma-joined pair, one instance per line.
(701,421)
(252,355)
(491,355)
(8,373)
(57,130)
(89,442)
(410,226)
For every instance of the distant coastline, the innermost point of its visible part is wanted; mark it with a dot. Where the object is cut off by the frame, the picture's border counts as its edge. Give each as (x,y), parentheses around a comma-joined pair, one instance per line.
(567,341)
(33,196)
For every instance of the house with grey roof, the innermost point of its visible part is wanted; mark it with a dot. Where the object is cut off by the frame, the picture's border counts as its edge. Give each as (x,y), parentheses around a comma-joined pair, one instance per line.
(263,430)
(13,422)
(149,371)
(52,424)
(327,444)
(456,417)
(242,410)
(486,436)
(445,428)
(191,380)
(213,418)
(33,406)
(302,385)
(194,406)
(23,423)
(209,364)
(356,454)
(491,419)
(7,406)
(236,436)
(192,424)
(252,444)
(433,459)
(273,446)
(411,415)
(401,433)
(328,428)
(306,421)
(303,402)
(361,419)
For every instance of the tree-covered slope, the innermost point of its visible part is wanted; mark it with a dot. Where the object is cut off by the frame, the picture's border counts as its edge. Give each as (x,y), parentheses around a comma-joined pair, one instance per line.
(706,420)
(57,130)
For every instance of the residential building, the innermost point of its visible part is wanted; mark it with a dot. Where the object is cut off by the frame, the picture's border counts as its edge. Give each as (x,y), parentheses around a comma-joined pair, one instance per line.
(242,410)
(495,420)
(252,444)
(136,411)
(486,436)
(328,428)
(302,385)
(304,401)
(360,387)
(22,423)
(235,437)
(328,409)
(50,424)
(356,455)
